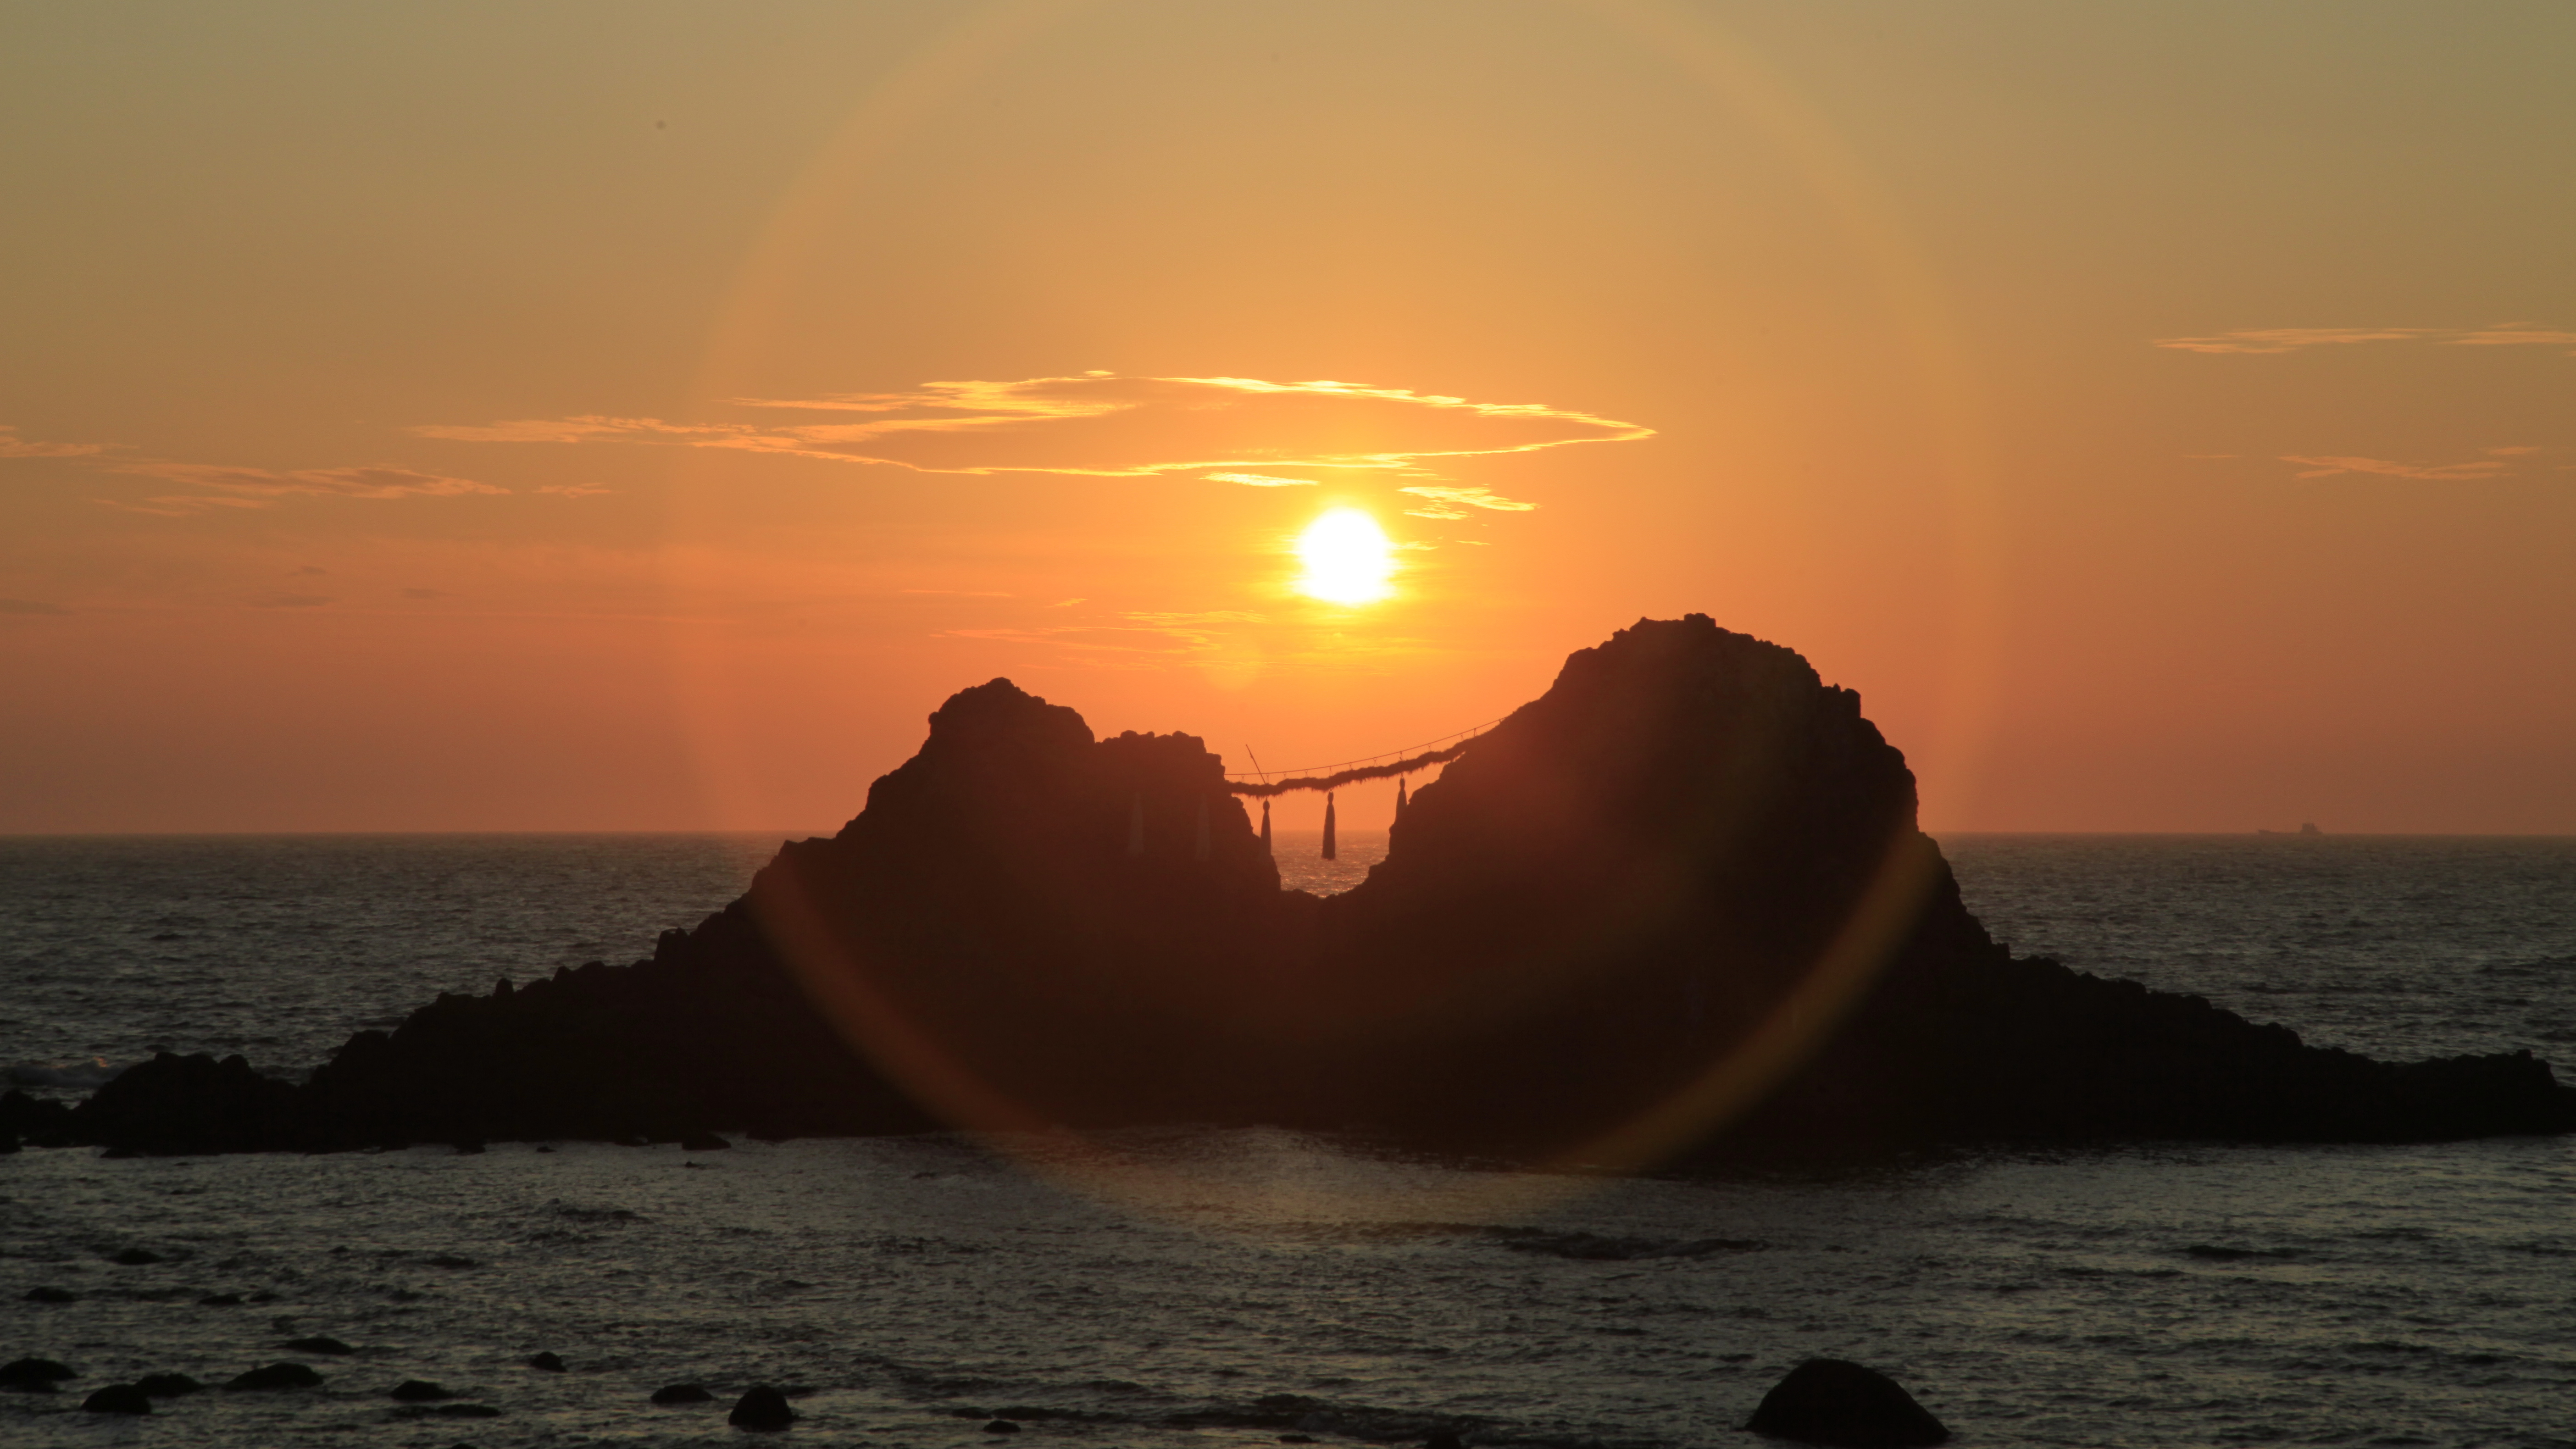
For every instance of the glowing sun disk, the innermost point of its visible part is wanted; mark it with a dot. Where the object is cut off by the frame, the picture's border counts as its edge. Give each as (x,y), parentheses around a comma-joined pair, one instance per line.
(1347,559)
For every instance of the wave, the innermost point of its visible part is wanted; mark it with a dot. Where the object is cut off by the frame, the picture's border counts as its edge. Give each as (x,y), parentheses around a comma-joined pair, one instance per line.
(86,1076)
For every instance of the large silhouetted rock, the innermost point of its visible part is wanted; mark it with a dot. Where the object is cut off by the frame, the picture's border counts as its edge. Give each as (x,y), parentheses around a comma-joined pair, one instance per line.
(1681,894)
(1835,1402)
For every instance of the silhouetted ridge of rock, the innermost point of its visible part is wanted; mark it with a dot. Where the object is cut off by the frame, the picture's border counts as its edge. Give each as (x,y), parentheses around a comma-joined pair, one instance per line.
(1682,890)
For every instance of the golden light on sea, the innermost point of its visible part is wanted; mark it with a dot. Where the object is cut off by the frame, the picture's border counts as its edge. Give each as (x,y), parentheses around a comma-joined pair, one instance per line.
(1347,557)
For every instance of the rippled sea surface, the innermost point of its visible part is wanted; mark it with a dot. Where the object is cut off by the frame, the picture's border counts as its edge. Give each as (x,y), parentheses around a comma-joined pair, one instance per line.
(1210,1288)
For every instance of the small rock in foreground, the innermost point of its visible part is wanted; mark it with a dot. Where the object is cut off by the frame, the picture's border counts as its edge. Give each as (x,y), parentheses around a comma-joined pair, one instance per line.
(418,1391)
(136,1257)
(1836,1402)
(118,1399)
(275,1376)
(551,1362)
(1001,1426)
(52,1295)
(681,1394)
(220,1300)
(762,1408)
(319,1343)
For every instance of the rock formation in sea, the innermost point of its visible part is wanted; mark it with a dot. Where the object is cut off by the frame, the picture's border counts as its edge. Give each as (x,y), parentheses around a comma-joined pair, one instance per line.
(1677,904)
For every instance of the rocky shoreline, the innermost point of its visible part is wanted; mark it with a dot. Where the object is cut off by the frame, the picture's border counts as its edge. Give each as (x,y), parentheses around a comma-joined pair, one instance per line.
(1678,906)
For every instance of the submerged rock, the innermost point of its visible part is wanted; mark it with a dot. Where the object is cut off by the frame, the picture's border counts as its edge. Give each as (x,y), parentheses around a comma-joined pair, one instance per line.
(1835,1402)
(419,1391)
(762,1408)
(549,1362)
(45,1293)
(682,1394)
(318,1343)
(118,1399)
(274,1376)
(23,1372)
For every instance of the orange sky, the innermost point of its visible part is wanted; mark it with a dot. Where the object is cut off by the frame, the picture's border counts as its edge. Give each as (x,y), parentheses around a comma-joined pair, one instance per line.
(633,416)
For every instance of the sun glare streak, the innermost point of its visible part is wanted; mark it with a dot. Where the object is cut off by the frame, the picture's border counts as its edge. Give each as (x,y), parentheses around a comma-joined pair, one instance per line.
(1347,557)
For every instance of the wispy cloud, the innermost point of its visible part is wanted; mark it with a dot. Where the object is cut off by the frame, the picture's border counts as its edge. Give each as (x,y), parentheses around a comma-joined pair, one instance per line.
(1166,619)
(2296,339)
(13,446)
(2328,467)
(230,487)
(1233,429)
(1258,480)
(1443,501)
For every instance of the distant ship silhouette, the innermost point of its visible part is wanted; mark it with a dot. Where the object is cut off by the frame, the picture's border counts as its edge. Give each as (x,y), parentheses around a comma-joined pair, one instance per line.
(2308,828)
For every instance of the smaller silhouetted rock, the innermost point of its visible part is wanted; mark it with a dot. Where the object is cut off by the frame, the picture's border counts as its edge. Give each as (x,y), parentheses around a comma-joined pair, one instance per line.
(274,1376)
(703,1142)
(52,1295)
(318,1343)
(552,1363)
(167,1386)
(762,1408)
(1836,1402)
(419,1391)
(1444,1440)
(1296,1438)
(681,1394)
(136,1257)
(34,1371)
(1001,1426)
(220,1300)
(262,1296)
(118,1399)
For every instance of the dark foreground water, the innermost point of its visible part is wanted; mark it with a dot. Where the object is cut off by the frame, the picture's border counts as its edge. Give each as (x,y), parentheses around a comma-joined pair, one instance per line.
(1219,1288)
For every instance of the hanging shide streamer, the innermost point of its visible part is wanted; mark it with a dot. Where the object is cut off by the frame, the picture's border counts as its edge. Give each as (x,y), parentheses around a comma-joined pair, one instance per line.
(1265,827)
(1328,825)
(1399,797)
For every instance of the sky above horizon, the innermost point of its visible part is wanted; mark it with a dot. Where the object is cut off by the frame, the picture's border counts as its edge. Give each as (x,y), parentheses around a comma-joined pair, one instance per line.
(641,416)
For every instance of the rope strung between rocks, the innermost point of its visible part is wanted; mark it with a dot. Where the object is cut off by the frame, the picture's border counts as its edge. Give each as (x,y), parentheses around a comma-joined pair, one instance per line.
(1341,777)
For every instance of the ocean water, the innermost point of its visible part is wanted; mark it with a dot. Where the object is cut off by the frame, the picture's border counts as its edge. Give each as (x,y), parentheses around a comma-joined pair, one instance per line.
(1214,1288)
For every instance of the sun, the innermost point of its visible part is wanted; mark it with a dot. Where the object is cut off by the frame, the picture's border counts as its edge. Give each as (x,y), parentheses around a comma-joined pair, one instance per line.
(1347,557)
